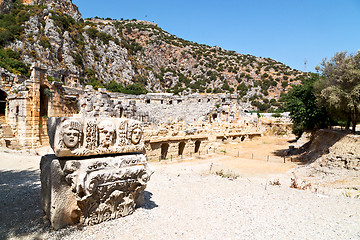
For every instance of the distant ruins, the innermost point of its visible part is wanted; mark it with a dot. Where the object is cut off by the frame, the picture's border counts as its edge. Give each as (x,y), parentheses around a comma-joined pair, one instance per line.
(173,125)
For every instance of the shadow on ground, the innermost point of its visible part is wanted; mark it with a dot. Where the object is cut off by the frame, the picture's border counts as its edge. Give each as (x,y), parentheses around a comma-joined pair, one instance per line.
(149,204)
(20,211)
(319,145)
(20,205)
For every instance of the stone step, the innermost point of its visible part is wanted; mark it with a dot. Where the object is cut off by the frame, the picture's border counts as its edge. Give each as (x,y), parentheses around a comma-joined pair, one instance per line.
(2,119)
(7,131)
(12,143)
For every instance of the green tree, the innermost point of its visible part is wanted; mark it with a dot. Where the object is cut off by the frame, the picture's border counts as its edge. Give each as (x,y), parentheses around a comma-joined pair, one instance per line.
(305,113)
(339,87)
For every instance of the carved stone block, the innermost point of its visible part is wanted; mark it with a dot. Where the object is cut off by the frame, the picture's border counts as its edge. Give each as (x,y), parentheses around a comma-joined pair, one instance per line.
(70,136)
(93,190)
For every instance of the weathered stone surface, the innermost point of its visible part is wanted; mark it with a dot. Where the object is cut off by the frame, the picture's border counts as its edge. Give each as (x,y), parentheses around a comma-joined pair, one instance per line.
(70,136)
(92,190)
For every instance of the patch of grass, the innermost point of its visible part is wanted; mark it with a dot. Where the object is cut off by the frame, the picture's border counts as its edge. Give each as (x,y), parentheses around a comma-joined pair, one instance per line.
(299,185)
(228,174)
(275,182)
(352,193)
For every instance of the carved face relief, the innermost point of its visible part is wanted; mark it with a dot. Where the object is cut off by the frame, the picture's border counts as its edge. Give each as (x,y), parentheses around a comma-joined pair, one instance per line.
(106,133)
(71,133)
(136,135)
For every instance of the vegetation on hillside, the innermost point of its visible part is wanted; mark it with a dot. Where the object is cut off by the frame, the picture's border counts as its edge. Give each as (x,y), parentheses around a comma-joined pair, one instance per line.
(11,28)
(135,89)
(154,60)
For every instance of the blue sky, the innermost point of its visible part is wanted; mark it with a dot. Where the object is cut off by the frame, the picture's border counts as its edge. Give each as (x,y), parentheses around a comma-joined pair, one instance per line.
(289,31)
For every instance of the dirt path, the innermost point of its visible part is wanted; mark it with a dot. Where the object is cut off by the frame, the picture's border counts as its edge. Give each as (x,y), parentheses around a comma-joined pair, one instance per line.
(187,200)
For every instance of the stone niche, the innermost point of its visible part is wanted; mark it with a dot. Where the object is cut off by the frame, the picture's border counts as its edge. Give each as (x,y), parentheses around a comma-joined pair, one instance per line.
(93,189)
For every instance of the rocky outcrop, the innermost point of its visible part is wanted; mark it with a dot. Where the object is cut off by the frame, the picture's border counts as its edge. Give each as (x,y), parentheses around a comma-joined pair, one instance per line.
(99,51)
(333,149)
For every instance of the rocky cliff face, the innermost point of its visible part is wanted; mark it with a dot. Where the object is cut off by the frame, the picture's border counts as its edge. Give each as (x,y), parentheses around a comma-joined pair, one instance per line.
(99,51)
(65,6)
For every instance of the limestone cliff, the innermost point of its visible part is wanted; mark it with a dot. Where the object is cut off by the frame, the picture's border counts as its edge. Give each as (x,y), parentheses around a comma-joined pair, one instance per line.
(99,51)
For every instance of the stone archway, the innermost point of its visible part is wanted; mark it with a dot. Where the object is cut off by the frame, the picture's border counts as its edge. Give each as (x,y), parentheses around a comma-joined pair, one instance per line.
(197,146)
(3,101)
(181,148)
(164,150)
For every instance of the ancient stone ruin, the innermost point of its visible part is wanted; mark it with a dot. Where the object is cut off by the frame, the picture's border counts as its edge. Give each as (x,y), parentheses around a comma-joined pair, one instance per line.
(77,188)
(173,125)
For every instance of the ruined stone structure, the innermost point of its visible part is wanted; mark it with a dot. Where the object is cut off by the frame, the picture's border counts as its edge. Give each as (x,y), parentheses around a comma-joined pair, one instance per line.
(173,125)
(93,190)
(25,105)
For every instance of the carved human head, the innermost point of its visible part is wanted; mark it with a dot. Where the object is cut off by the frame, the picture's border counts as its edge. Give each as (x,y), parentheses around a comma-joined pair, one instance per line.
(136,132)
(136,135)
(71,133)
(106,133)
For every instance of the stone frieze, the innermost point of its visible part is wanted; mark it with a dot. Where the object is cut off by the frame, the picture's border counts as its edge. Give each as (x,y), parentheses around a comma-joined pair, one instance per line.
(72,136)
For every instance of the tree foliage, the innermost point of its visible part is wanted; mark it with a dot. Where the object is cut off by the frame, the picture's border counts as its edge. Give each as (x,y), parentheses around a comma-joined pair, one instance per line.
(135,89)
(305,113)
(339,87)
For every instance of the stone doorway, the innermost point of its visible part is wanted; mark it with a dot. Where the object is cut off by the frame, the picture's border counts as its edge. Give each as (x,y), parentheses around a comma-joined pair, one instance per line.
(164,150)
(197,146)
(181,148)
(214,116)
(45,94)
(3,100)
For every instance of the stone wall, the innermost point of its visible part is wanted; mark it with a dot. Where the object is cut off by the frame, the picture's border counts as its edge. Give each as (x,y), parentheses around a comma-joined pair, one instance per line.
(167,118)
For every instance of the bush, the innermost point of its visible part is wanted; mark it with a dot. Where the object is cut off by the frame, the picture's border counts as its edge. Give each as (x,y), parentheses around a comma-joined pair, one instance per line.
(78,61)
(92,32)
(9,60)
(44,42)
(276,115)
(63,20)
(104,37)
(135,89)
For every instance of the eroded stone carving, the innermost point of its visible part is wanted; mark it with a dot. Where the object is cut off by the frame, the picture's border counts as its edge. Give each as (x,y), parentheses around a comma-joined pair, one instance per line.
(85,137)
(96,189)
(71,131)
(106,134)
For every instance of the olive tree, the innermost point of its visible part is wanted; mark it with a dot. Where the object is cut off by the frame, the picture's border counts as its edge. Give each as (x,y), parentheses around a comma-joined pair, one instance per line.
(339,87)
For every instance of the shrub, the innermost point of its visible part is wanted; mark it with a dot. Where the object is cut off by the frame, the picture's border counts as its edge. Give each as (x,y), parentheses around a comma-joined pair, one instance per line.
(104,37)
(135,89)
(92,32)
(9,60)
(44,42)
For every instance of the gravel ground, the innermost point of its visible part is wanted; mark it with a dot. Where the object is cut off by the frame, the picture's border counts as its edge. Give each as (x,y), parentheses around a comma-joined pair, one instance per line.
(184,201)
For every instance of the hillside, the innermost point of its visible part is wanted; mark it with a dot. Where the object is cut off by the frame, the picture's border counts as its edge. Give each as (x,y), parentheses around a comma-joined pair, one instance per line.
(118,53)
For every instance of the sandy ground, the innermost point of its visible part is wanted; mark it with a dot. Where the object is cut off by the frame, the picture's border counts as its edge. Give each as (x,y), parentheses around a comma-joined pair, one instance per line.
(186,199)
